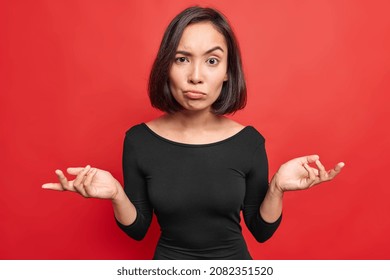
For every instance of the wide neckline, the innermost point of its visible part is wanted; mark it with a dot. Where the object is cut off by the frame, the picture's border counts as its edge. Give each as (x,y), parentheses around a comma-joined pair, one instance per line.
(194,145)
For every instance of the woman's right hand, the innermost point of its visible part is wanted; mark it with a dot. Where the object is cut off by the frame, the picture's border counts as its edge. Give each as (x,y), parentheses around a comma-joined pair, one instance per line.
(89,182)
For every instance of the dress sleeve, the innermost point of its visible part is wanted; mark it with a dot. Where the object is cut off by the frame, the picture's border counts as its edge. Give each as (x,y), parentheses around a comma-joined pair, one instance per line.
(136,191)
(256,189)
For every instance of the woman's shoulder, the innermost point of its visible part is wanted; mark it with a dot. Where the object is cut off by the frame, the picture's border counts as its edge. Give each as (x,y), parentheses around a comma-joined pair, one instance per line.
(232,124)
(156,124)
(225,129)
(145,129)
(237,127)
(137,131)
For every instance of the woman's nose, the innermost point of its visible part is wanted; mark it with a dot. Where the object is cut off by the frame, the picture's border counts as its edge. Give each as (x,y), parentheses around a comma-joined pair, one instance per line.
(195,75)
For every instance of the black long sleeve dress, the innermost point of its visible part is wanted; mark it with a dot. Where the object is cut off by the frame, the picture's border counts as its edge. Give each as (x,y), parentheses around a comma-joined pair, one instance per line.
(197,192)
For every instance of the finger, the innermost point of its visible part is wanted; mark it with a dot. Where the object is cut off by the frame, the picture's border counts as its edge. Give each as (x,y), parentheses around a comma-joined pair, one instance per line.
(312,158)
(309,159)
(63,181)
(336,170)
(81,190)
(312,179)
(322,172)
(78,183)
(339,166)
(53,186)
(80,176)
(88,182)
(74,170)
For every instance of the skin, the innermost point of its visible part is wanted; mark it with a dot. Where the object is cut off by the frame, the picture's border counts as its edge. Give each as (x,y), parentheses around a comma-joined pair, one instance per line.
(199,68)
(196,79)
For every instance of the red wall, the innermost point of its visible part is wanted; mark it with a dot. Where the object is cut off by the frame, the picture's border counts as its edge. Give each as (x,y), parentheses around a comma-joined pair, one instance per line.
(73,78)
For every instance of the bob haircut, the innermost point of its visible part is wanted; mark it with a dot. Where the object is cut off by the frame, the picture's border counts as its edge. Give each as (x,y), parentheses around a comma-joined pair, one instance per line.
(233,94)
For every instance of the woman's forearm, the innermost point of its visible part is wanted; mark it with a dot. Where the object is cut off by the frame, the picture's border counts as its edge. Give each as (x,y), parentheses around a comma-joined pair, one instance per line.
(124,210)
(272,205)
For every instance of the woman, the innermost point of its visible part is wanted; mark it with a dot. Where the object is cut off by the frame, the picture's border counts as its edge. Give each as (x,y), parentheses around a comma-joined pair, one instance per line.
(193,167)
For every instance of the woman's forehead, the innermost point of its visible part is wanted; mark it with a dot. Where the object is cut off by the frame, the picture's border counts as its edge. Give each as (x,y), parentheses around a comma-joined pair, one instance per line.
(202,35)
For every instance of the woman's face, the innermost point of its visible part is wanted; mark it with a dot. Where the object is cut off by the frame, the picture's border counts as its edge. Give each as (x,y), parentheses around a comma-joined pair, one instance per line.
(200,67)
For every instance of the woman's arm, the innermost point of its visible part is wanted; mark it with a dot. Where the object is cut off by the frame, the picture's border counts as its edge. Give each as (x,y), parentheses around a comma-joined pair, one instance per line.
(124,211)
(272,205)
(257,185)
(295,174)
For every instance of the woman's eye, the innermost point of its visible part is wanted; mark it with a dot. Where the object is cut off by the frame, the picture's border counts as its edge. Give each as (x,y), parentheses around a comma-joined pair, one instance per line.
(181,59)
(212,61)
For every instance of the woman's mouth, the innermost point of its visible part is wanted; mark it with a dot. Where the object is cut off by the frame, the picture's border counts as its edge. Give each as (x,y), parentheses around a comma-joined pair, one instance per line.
(194,94)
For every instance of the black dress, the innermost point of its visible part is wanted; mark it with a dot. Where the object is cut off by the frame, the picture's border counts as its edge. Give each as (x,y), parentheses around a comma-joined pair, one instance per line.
(197,193)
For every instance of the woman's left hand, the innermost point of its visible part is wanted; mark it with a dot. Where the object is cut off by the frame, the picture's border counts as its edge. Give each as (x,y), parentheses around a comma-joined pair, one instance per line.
(296,174)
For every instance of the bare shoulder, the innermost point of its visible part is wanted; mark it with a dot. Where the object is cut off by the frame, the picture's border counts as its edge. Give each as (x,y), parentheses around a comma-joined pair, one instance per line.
(230,127)
(156,124)
(221,128)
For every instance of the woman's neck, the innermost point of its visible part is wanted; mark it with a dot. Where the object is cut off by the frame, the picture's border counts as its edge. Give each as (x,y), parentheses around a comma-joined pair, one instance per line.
(194,128)
(185,120)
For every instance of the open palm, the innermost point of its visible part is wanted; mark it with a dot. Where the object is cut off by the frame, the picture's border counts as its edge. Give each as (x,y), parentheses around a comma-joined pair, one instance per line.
(296,174)
(89,182)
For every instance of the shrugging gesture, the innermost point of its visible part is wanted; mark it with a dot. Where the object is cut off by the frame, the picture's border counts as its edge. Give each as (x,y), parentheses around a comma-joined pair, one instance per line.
(97,183)
(297,174)
(89,182)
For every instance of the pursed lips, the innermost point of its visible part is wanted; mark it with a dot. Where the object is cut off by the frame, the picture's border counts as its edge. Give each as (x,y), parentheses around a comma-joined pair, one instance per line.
(194,94)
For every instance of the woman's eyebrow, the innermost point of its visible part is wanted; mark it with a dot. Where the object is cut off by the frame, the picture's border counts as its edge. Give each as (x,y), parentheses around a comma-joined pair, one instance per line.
(214,49)
(186,53)
(183,53)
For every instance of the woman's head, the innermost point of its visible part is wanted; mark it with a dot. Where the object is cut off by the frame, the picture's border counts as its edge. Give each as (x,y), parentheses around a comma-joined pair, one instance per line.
(233,88)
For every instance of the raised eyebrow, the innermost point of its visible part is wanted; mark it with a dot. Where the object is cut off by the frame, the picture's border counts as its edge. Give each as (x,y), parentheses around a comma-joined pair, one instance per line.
(214,49)
(207,52)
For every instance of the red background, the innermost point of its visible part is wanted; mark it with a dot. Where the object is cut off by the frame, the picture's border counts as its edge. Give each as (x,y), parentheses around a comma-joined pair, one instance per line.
(73,78)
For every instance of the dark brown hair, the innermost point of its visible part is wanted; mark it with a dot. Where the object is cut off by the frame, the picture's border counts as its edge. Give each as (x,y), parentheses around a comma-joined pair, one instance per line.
(233,93)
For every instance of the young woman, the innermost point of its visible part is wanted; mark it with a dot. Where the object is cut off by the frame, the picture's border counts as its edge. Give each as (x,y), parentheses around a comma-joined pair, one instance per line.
(193,167)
